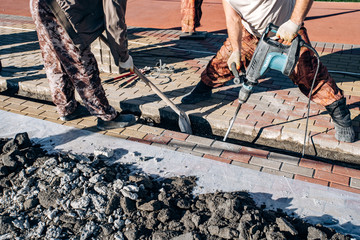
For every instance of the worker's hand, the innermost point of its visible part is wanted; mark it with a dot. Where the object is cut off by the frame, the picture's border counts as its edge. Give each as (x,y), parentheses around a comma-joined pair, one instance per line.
(288,31)
(234,58)
(128,64)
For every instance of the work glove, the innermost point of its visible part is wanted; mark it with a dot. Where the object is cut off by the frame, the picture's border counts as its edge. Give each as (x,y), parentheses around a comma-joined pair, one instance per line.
(234,58)
(288,31)
(128,64)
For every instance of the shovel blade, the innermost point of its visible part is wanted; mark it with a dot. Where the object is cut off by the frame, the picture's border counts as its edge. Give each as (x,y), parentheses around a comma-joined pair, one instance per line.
(184,123)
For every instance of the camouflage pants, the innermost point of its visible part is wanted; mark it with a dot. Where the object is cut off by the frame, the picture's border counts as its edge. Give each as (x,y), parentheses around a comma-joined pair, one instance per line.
(325,89)
(190,15)
(68,68)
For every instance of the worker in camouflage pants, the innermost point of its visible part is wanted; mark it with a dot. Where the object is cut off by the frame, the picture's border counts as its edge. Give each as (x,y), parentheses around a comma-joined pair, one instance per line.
(69,68)
(245,24)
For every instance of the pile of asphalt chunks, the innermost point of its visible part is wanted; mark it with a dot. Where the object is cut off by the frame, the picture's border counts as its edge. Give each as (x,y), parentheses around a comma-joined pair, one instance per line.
(68,196)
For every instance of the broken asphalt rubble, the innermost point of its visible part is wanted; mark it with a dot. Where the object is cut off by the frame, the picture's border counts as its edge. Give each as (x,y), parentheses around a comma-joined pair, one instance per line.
(67,196)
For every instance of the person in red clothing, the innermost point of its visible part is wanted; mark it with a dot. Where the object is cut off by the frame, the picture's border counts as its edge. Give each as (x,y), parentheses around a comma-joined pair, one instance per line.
(190,17)
(246,20)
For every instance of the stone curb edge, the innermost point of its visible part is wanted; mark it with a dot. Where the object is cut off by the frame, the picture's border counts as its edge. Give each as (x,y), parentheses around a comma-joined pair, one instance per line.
(326,174)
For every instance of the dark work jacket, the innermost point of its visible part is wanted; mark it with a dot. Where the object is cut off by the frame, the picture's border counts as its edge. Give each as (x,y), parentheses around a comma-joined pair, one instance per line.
(85,20)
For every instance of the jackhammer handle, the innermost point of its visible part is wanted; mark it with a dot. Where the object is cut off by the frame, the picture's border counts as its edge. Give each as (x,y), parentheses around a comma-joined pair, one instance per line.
(237,79)
(234,70)
(272,27)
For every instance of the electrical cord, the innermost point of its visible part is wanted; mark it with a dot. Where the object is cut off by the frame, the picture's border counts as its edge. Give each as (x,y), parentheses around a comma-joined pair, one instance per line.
(311,89)
(312,86)
(346,73)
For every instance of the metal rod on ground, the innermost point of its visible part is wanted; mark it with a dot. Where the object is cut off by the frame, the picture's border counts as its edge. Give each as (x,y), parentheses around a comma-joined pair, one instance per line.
(184,120)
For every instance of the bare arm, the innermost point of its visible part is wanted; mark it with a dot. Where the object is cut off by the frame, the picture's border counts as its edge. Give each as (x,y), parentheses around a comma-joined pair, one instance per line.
(233,25)
(300,11)
(288,30)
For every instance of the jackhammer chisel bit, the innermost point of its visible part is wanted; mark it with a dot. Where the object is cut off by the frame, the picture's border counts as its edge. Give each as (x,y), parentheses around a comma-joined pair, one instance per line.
(244,94)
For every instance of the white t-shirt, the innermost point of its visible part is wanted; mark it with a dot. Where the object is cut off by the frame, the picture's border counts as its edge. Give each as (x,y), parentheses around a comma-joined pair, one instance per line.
(257,14)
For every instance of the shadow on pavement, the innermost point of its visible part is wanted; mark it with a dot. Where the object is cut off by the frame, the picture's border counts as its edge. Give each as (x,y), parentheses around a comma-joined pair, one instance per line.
(330,15)
(19,38)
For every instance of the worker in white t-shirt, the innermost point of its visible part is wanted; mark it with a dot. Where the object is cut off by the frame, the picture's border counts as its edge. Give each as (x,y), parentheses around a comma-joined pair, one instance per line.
(246,20)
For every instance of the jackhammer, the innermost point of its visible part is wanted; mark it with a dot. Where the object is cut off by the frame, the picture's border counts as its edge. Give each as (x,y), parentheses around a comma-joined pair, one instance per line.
(269,54)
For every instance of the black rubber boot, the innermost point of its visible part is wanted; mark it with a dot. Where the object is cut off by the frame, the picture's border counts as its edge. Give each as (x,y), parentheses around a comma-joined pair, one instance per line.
(200,93)
(340,114)
(121,121)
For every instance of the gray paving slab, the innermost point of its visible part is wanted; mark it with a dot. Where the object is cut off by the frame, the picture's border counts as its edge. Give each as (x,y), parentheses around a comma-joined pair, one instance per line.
(355,183)
(226,146)
(265,162)
(284,158)
(290,168)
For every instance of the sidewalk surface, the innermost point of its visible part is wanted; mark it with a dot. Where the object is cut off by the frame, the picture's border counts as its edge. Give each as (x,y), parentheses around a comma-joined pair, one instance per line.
(273,118)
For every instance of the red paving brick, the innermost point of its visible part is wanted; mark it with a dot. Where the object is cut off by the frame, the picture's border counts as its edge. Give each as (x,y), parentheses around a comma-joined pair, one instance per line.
(345,188)
(157,139)
(326,124)
(175,135)
(239,157)
(328,138)
(216,158)
(350,172)
(315,165)
(312,180)
(255,115)
(331,177)
(254,152)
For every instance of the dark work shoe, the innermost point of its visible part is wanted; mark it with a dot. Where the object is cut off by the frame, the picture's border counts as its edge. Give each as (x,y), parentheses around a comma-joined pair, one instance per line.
(193,35)
(121,121)
(199,93)
(344,134)
(340,114)
(79,112)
